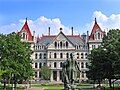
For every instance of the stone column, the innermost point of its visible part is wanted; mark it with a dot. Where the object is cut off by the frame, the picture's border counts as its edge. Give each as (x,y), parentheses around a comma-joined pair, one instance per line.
(51,78)
(58,76)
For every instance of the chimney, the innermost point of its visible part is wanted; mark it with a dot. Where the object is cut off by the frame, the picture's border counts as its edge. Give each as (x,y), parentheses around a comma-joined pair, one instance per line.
(33,35)
(49,31)
(72,30)
(87,36)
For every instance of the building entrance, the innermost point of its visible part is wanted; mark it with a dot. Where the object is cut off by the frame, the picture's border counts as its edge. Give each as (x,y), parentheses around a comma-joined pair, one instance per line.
(55,75)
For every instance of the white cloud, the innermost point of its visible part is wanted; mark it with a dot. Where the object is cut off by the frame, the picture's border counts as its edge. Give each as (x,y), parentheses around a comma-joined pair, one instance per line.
(40,26)
(105,22)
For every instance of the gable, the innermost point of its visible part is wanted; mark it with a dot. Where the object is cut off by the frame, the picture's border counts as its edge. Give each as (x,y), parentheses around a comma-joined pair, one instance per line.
(61,42)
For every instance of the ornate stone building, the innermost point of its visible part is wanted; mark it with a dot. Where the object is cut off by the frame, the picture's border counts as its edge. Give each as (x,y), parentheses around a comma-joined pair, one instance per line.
(52,50)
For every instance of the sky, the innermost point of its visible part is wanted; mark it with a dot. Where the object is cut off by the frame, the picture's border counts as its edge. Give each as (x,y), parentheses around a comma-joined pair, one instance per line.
(42,14)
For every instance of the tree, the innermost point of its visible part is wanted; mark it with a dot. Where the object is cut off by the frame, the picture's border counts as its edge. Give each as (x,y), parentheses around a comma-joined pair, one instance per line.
(105,60)
(97,59)
(15,58)
(45,72)
(111,43)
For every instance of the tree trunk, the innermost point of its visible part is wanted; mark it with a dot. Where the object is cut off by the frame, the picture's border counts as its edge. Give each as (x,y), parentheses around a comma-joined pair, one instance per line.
(99,82)
(110,83)
(4,88)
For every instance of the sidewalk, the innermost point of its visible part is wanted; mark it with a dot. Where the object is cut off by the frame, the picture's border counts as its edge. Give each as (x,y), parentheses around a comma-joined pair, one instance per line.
(35,88)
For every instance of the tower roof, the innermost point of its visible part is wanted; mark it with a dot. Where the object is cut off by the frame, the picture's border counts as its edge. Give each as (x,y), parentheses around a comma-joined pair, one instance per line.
(26,28)
(95,28)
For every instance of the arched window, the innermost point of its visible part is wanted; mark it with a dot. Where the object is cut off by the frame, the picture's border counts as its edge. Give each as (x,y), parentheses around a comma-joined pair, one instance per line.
(55,44)
(55,64)
(36,55)
(24,36)
(44,64)
(61,55)
(60,64)
(60,44)
(55,55)
(77,55)
(98,35)
(86,64)
(40,56)
(86,55)
(36,74)
(40,65)
(50,55)
(66,44)
(67,55)
(35,65)
(82,65)
(44,55)
(82,74)
(81,55)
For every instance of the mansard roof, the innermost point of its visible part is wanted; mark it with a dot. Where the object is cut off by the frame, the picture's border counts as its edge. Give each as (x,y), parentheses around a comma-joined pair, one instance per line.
(26,28)
(47,39)
(95,28)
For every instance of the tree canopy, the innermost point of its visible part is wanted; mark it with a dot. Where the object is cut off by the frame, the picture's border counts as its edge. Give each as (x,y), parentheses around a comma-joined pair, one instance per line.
(105,60)
(15,58)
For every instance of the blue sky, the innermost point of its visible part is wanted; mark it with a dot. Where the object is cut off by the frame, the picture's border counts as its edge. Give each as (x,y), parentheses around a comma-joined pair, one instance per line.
(77,13)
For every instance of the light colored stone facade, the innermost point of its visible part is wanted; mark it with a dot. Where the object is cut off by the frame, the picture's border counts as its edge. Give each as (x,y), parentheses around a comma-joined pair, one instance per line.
(53,50)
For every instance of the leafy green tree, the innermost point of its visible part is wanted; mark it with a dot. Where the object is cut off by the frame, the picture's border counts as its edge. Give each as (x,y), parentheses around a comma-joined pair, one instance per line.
(105,60)
(15,58)
(97,59)
(45,72)
(111,42)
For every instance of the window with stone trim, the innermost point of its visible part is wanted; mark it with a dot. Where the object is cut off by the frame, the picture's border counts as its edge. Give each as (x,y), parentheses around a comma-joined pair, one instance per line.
(98,35)
(82,75)
(60,64)
(55,55)
(55,64)
(36,55)
(67,55)
(55,44)
(44,55)
(39,74)
(77,55)
(82,65)
(81,55)
(61,55)
(86,64)
(86,55)
(40,65)
(36,66)
(60,44)
(40,56)
(35,74)
(50,55)
(66,44)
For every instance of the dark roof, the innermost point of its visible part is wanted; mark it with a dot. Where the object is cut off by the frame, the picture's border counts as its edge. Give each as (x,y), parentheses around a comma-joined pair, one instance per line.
(47,39)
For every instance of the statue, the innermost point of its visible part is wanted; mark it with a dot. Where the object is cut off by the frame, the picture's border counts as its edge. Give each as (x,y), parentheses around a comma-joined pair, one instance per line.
(70,70)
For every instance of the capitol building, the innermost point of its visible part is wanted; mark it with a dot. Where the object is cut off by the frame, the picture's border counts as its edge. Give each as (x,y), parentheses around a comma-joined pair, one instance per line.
(52,50)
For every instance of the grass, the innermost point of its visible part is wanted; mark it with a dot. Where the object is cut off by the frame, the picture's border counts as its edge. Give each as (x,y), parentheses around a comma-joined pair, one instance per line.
(10,88)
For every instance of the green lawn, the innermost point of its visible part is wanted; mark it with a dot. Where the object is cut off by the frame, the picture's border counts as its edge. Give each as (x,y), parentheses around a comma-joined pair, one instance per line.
(60,87)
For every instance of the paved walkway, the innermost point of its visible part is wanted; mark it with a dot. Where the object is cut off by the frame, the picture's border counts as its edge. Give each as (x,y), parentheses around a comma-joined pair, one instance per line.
(35,88)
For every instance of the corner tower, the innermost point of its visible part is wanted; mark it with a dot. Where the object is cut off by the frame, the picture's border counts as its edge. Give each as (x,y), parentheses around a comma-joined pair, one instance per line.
(96,36)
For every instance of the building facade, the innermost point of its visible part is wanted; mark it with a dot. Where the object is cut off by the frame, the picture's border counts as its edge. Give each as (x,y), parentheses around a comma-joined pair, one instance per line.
(52,50)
